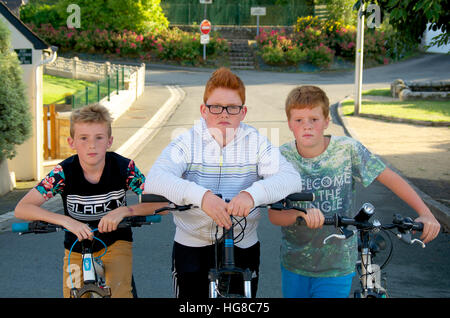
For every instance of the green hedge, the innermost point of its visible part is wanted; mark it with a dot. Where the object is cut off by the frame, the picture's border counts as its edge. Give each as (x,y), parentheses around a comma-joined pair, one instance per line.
(15,118)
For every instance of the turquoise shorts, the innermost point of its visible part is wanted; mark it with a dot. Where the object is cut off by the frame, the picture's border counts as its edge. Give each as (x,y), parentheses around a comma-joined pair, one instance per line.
(299,286)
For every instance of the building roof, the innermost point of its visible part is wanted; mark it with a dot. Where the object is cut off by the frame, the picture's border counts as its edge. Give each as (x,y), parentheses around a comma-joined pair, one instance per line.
(37,42)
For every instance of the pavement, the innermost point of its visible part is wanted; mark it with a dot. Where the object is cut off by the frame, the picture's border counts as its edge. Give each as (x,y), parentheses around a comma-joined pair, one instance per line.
(420,154)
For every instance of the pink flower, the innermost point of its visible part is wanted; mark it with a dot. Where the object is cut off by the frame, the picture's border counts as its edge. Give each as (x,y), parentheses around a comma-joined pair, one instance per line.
(69,35)
(133,45)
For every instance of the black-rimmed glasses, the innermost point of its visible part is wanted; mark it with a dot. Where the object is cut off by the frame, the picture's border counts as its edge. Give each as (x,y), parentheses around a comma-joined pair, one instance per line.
(218,109)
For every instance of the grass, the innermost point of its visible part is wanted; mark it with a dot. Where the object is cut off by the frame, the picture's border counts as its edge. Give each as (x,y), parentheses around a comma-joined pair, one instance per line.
(435,111)
(55,88)
(378,92)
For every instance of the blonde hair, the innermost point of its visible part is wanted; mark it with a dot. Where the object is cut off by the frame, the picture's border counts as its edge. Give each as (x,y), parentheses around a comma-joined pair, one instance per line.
(224,78)
(94,113)
(307,96)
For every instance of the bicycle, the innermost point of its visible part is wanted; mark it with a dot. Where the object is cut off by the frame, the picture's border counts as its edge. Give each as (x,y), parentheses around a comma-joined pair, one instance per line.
(220,276)
(370,244)
(94,283)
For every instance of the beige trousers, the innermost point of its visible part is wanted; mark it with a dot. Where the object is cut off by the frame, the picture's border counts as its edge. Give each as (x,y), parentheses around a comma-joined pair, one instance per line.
(118,262)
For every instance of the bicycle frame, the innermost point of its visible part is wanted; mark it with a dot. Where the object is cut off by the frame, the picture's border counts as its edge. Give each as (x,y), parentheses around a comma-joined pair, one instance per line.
(228,268)
(92,268)
(370,279)
(93,276)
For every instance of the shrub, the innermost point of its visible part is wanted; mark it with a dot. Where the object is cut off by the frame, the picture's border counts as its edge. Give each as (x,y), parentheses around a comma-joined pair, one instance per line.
(272,54)
(295,55)
(39,14)
(15,117)
(116,15)
(166,44)
(320,56)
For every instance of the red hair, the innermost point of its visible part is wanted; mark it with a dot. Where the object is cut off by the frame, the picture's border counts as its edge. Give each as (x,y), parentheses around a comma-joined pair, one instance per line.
(224,78)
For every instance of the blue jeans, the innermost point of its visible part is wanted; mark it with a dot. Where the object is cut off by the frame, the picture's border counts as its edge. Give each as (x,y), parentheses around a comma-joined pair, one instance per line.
(299,286)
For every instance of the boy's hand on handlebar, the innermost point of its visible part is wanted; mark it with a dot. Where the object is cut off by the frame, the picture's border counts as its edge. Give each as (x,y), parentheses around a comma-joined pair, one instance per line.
(81,230)
(241,204)
(110,221)
(431,227)
(216,208)
(314,218)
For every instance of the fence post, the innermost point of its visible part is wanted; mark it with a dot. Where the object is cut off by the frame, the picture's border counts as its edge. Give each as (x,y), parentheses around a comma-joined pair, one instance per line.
(109,86)
(98,91)
(73,101)
(107,68)
(123,77)
(117,81)
(74,68)
(53,131)
(45,119)
(86,90)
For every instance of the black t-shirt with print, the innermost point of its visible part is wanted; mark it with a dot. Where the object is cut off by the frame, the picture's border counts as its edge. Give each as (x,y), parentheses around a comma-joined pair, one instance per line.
(88,202)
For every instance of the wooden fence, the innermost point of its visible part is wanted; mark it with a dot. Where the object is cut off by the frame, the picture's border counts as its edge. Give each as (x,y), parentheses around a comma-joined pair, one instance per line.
(51,134)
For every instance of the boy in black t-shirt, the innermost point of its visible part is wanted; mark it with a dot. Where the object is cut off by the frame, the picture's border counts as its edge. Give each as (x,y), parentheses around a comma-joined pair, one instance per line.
(93,185)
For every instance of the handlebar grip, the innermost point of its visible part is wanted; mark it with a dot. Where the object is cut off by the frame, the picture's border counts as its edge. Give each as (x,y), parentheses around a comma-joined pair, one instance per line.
(153,218)
(329,220)
(152,198)
(20,227)
(301,196)
(417,226)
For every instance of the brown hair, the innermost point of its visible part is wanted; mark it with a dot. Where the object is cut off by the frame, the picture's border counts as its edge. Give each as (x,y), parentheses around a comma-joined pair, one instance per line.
(307,96)
(94,113)
(224,78)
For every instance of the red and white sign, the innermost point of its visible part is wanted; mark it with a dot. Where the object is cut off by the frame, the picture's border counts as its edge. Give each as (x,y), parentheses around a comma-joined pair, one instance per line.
(205,26)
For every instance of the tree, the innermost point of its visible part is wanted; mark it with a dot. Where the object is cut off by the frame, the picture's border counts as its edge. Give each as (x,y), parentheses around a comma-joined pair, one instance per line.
(410,18)
(15,117)
(135,15)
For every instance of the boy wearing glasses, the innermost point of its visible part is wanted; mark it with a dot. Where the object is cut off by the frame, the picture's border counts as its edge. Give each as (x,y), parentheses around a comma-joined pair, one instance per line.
(219,155)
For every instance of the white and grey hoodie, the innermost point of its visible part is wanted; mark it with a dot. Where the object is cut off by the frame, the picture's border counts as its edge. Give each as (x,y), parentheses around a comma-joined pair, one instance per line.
(194,163)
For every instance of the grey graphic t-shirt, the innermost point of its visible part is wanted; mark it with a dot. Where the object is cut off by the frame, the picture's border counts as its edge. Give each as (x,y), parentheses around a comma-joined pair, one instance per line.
(331,177)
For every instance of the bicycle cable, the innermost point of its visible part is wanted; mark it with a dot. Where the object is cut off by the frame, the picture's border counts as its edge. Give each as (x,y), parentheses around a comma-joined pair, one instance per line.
(70,253)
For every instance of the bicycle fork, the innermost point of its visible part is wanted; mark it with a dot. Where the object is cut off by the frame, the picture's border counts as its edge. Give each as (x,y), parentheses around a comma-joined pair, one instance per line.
(93,276)
(228,268)
(370,276)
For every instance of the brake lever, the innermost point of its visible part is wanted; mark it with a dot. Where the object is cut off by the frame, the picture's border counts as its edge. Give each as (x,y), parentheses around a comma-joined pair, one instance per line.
(345,235)
(406,238)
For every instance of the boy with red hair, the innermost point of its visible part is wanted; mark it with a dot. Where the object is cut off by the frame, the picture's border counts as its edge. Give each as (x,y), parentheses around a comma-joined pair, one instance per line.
(219,155)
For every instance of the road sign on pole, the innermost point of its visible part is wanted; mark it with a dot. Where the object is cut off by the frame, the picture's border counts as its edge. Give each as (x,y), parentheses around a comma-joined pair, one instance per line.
(257,11)
(204,39)
(205,28)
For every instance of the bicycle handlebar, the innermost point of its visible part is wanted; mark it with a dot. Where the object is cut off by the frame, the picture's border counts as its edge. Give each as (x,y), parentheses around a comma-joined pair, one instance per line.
(283,204)
(399,222)
(404,225)
(38,227)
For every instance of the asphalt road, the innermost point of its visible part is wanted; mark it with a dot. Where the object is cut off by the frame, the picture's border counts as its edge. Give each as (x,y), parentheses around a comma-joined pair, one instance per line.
(31,265)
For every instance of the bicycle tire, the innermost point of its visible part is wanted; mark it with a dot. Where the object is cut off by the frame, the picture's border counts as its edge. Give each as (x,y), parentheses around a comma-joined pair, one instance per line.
(93,289)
